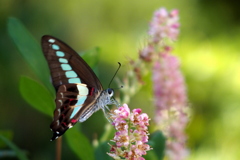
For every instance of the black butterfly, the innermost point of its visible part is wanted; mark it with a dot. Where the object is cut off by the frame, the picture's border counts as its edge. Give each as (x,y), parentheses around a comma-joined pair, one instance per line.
(79,92)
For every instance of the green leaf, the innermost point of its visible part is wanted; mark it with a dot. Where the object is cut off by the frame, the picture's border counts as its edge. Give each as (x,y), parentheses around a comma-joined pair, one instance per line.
(30,50)
(6,133)
(157,142)
(79,144)
(92,58)
(37,95)
(101,151)
(18,152)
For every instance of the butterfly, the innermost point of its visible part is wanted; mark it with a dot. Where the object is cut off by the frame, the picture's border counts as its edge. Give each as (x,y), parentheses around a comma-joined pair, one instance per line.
(79,93)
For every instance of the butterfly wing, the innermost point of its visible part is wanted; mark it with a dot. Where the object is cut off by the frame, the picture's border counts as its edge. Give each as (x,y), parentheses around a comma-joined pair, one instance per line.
(76,85)
(62,59)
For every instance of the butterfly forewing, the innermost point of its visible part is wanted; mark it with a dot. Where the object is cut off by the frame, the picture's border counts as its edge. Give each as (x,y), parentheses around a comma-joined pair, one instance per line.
(76,85)
(64,62)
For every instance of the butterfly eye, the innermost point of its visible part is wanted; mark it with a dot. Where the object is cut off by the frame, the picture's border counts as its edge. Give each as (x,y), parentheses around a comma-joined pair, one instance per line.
(110,92)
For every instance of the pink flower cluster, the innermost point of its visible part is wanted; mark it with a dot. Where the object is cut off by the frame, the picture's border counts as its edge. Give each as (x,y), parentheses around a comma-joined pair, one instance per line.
(169,86)
(164,25)
(168,82)
(132,134)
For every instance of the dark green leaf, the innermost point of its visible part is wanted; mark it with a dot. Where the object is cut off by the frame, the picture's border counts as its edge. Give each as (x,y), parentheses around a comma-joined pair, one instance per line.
(6,133)
(30,50)
(79,144)
(102,150)
(37,95)
(157,142)
(18,152)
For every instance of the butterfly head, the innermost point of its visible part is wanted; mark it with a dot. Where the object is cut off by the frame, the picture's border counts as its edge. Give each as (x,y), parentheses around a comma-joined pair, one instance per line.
(110,92)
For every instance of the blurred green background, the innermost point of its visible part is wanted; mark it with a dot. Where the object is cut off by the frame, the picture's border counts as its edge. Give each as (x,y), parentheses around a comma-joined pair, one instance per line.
(208,47)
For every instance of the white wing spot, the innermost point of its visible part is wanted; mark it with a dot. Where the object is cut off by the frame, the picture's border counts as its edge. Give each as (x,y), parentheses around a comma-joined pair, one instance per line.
(82,89)
(60,101)
(59,111)
(51,40)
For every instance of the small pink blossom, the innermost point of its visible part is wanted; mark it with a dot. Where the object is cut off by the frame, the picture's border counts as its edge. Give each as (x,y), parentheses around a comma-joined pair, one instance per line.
(120,125)
(121,138)
(132,134)
(140,135)
(146,53)
(164,25)
(123,112)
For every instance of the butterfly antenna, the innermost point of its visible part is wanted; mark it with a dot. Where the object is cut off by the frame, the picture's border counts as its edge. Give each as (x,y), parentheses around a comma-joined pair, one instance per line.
(119,66)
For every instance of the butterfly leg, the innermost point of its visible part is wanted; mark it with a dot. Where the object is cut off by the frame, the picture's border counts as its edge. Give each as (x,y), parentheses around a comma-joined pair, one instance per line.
(113,101)
(107,113)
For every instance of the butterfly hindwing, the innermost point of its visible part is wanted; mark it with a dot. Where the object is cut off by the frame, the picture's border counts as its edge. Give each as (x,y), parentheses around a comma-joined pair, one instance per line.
(70,100)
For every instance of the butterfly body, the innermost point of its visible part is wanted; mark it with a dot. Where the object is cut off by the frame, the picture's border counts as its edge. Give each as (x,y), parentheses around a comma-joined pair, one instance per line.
(79,93)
